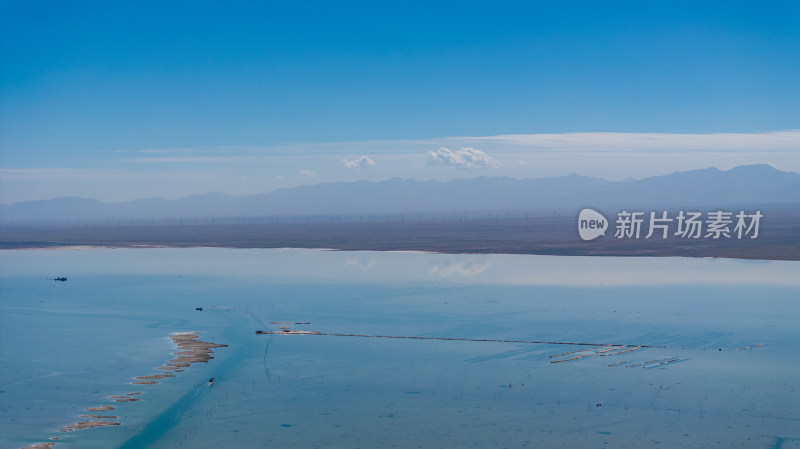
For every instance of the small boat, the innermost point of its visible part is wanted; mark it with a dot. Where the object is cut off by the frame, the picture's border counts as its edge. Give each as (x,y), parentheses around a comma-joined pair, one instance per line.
(211,381)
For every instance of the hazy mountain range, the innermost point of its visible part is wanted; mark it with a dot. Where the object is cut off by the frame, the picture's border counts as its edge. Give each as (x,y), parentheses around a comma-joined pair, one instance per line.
(706,188)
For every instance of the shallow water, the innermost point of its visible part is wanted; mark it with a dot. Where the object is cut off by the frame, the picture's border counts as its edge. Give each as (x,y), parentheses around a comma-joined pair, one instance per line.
(66,346)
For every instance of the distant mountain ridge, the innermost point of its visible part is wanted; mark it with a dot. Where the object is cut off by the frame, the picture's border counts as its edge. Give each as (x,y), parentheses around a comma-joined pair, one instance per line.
(744,185)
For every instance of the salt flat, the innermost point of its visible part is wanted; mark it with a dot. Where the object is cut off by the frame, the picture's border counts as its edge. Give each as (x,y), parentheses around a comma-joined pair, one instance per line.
(714,366)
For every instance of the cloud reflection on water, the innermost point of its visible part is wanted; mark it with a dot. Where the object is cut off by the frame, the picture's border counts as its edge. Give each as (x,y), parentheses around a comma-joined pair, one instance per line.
(402,266)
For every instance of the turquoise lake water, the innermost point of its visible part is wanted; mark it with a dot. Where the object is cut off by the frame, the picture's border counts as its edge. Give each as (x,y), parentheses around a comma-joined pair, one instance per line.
(717,363)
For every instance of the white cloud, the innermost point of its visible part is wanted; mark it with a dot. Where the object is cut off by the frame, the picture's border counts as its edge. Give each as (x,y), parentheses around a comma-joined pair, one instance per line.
(167,150)
(39,174)
(198,159)
(308,174)
(174,172)
(464,158)
(785,140)
(361,162)
(758,142)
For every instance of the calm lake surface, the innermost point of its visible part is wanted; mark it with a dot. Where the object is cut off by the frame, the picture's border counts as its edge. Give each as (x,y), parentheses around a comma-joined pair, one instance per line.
(676,352)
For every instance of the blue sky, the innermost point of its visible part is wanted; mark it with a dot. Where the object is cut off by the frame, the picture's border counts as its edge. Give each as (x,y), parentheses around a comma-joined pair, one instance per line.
(122,100)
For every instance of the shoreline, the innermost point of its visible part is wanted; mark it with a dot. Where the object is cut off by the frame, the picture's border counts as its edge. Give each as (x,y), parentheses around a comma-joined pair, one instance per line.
(760,255)
(189,350)
(778,239)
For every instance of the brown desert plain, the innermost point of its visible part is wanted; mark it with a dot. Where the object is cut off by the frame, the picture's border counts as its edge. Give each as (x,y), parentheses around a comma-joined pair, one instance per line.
(778,239)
